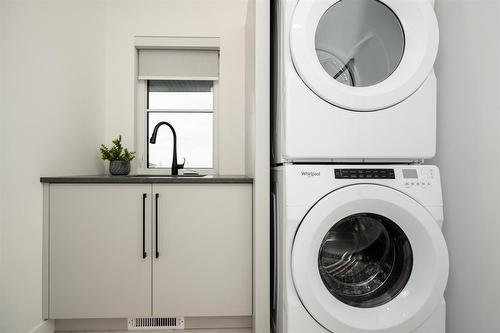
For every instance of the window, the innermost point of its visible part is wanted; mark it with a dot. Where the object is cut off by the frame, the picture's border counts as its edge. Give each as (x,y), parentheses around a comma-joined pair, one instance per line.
(189,107)
(177,80)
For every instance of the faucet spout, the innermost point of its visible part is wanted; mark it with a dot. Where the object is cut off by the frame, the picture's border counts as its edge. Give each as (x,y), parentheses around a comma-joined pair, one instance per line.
(152,140)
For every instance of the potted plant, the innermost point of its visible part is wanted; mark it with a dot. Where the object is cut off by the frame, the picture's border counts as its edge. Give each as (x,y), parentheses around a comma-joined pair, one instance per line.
(119,158)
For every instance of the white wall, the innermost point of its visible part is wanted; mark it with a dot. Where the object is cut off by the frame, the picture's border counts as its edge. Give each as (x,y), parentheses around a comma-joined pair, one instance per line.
(468,71)
(214,18)
(51,122)
(250,74)
(257,154)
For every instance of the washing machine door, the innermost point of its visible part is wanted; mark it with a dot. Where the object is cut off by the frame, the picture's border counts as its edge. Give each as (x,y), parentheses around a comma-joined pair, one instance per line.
(368,258)
(364,55)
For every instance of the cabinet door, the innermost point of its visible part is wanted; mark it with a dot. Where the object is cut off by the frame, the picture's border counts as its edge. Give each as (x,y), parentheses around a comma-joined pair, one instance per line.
(96,264)
(204,267)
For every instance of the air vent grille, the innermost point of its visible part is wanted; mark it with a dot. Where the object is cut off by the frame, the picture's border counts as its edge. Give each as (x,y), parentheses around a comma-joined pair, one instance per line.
(156,323)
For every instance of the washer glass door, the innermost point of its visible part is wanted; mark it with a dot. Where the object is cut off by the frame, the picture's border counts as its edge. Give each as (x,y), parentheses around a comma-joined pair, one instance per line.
(359,42)
(368,258)
(365,260)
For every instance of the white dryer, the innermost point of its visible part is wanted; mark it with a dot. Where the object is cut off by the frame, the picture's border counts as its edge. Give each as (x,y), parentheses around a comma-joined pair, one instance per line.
(354,80)
(358,249)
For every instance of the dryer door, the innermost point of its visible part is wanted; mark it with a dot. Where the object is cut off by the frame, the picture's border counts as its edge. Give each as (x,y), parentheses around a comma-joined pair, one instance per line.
(368,258)
(364,55)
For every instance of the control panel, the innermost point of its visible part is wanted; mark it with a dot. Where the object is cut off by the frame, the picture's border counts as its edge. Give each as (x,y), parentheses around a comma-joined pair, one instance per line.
(408,177)
(365,174)
(421,178)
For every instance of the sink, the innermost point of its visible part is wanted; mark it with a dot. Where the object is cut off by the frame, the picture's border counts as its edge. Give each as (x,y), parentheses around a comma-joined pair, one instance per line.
(170,176)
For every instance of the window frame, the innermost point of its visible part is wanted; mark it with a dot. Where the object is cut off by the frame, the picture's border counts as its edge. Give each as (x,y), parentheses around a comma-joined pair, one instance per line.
(141,130)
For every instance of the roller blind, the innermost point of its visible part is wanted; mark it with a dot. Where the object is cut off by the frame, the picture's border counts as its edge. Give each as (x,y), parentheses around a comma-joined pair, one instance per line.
(182,64)
(180,86)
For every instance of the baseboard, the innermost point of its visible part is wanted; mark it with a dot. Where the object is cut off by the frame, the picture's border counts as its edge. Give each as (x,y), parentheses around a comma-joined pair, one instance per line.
(68,325)
(47,326)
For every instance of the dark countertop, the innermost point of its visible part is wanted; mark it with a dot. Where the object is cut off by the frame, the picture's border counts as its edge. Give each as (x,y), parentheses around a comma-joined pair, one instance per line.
(145,179)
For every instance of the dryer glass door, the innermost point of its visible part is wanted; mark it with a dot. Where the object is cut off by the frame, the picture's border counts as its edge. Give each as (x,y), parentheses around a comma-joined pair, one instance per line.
(365,260)
(363,55)
(359,43)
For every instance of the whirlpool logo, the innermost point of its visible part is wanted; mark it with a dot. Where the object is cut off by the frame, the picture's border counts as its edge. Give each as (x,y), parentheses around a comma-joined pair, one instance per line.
(311,173)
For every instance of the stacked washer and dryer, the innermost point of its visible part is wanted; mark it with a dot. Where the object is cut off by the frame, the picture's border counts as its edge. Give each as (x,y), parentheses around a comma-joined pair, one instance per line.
(357,216)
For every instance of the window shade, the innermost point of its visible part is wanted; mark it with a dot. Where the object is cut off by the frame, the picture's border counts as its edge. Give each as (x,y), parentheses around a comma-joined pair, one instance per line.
(170,64)
(180,86)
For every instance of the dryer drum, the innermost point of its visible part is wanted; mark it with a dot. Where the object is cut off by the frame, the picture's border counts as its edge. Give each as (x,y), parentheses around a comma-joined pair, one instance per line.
(365,260)
(341,72)
(364,36)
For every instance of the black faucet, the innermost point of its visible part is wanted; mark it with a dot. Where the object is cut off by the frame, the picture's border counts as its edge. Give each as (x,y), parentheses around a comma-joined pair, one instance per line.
(175,166)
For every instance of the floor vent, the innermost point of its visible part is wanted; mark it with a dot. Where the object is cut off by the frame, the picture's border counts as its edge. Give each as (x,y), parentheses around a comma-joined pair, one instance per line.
(156,323)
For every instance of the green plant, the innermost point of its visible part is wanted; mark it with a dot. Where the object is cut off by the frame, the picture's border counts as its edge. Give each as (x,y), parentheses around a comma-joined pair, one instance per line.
(116,152)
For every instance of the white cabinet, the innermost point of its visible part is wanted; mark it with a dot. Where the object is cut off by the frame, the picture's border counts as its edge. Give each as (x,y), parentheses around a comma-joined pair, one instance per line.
(204,264)
(96,264)
(98,233)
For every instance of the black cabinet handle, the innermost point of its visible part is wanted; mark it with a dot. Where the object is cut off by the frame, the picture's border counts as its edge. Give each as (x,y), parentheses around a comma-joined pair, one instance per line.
(144,253)
(157,196)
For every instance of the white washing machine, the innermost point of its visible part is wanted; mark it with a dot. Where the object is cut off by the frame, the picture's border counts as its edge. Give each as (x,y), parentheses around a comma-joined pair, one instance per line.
(358,249)
(354,80)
